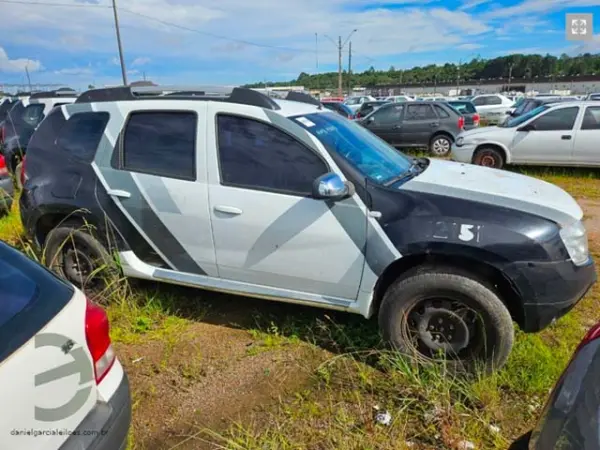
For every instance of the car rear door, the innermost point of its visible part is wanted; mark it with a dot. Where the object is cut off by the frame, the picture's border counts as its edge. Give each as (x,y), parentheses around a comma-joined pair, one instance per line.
(46,372)
(386,123)
(585,148)
(550,142)
(155,174)
(419,123)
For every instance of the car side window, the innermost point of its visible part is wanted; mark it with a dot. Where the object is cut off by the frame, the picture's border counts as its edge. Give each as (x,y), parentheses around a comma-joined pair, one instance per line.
(493,100)
(419,112)
(441,112)
(161,143)
(256,155)
(388,114)
(561,119)
(479,101)
(591,118)
(33,114)
(81,135)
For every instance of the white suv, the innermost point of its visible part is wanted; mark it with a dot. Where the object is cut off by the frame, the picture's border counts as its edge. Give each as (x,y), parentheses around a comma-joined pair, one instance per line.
(62,386)
(286,200)
(492,107)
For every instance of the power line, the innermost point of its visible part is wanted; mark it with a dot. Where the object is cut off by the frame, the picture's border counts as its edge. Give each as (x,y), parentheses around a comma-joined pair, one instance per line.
(217,36)
(75,5)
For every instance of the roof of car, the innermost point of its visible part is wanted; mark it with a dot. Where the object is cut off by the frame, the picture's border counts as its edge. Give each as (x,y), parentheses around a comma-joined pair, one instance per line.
(293,108)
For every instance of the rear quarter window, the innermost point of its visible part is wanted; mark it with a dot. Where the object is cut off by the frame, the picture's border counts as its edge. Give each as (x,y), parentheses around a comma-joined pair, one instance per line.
(81,135)
(33,114)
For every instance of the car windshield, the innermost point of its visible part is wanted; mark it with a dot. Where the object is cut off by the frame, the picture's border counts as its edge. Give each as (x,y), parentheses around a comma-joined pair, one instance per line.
(373,157)
(515,122)
(353,101)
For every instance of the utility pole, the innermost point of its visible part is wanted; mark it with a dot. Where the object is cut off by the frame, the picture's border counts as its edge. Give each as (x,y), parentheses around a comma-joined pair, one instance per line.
(340,47)
(28,78)
(123,70)
(510,68)
(350,69)
(317,58)
(458,78)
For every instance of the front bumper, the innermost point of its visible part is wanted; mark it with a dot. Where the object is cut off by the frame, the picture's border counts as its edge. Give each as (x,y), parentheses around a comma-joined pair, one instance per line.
(6,193)
(463,154)
(110,419)
(549,290)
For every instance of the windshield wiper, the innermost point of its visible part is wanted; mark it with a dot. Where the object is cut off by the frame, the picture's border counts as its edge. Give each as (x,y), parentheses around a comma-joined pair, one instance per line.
(418,166)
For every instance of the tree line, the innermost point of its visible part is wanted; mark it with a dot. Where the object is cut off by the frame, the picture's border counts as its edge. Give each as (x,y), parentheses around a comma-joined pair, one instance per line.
(514,66)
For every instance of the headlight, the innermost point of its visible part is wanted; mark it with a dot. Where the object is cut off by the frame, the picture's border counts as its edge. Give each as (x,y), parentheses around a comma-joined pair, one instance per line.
(575,239)
(459,141)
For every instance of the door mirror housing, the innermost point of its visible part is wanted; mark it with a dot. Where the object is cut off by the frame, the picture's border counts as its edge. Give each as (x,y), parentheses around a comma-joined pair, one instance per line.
(331,186)
(527,128)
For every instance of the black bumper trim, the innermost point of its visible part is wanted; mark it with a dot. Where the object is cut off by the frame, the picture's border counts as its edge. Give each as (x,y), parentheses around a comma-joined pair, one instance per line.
(112,419)
(549,290)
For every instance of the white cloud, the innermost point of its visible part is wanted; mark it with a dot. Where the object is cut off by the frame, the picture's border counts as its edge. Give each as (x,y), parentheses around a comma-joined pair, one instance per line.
(77,71)
(469,46)
(468,4)
(17,65)
(140,61)
(591,46)
(527,7)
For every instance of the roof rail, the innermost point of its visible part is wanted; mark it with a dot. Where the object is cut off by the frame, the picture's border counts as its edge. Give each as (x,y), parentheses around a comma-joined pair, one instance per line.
(303,98)
(240,95)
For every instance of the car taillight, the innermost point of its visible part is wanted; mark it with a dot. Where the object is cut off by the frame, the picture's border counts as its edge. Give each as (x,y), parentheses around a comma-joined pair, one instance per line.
(3,169)
(22,174)
(476,119)
(98,340)
(461,122)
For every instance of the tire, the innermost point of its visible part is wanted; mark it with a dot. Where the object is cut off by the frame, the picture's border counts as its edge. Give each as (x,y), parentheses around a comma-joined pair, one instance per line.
(475,313)
(489,157)
(73,252)
(440,145)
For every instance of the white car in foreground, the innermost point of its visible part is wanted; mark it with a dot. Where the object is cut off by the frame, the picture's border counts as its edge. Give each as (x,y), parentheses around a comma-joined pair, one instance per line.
(62,385)
(559,134)
(492,107)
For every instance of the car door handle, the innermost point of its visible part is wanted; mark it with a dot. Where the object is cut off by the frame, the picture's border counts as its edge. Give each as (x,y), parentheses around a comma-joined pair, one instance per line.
(397,127)
(434,124)
(566,137)
(228,210)
(118,193)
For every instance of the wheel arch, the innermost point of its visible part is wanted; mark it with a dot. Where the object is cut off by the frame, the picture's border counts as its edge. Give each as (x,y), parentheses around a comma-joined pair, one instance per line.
(503,151)
(480,268)
(441,132)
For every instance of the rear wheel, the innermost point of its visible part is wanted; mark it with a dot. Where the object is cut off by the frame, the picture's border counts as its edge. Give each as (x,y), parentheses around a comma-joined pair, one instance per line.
(440,145)
(489,157)
(75,254)
(441,313)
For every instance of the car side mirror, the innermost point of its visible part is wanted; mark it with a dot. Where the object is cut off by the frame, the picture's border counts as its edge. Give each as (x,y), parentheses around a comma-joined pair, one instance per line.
(509,113)
(331,186)
(527,128)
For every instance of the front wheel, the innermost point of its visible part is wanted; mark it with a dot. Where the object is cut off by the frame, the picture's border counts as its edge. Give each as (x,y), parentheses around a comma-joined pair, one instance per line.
(440,145)
(441,313)
(489,157)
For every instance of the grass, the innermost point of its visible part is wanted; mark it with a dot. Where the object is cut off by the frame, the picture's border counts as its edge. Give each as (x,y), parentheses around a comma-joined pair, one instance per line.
(429,407)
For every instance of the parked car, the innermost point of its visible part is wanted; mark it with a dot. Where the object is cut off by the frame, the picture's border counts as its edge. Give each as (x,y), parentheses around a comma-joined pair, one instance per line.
(276,185)
(593,97)
(433,125)
(6,188)
(468,111)
(435,99)
(368,107)
(5,106)
(58,367)
(24,118)
(399,99)
(354,103)
(492,107)
(339,108)
(570,419)
(529,104)
(559,134)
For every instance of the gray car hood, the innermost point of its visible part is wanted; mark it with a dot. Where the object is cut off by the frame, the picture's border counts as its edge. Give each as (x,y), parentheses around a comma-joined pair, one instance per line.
(497,187)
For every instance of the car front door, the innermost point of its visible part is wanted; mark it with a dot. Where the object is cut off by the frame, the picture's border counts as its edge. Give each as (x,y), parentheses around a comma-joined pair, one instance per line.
(549,141)
(269,232)
(386,123)
(419,123)
(585,147)
(155,175)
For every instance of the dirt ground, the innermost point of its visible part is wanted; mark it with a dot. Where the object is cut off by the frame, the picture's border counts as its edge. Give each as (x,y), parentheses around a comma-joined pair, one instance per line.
(214,374)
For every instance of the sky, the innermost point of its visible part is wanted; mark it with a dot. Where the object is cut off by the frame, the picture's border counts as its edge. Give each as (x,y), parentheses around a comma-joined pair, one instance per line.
(73,42)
